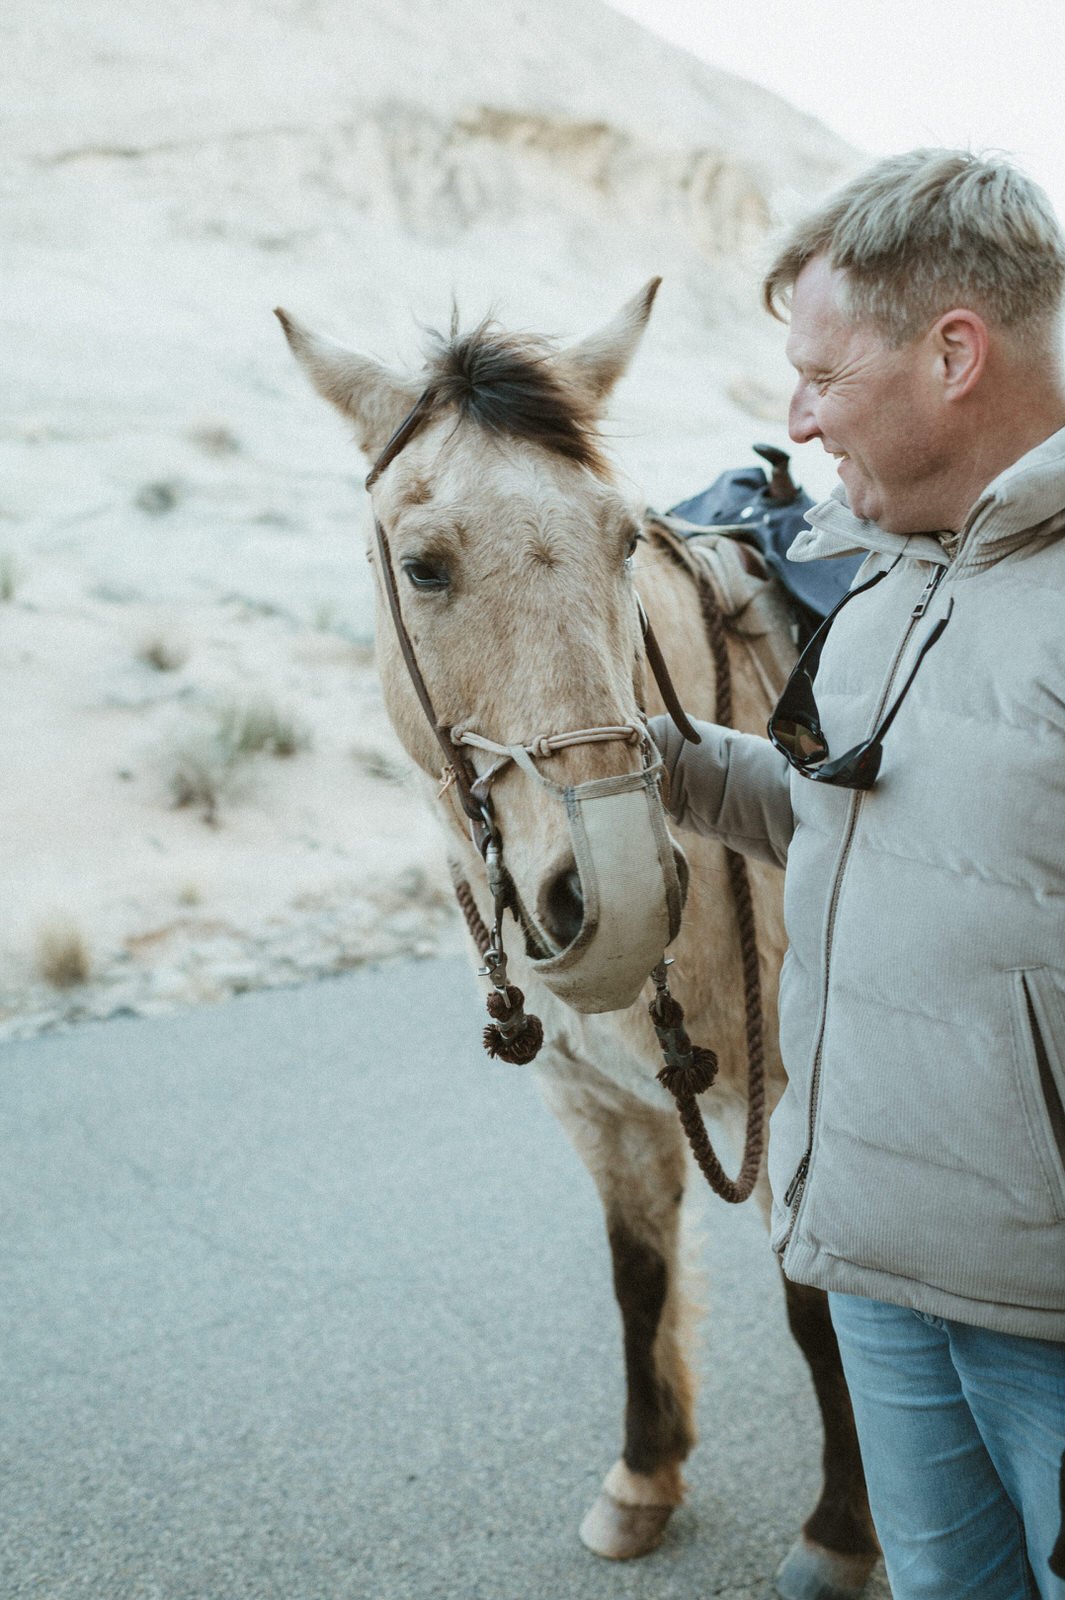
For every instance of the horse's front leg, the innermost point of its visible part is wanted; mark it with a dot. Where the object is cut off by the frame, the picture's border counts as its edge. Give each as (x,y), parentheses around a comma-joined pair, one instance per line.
(635,1154)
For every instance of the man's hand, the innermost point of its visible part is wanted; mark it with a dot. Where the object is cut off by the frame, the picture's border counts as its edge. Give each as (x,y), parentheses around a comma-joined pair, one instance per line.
(659,729)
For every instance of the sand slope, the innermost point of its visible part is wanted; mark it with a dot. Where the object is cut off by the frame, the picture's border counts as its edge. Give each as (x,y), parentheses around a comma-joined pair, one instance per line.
(171,493)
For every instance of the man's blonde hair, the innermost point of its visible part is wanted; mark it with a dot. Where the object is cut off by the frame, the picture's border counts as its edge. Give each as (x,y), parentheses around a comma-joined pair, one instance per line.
(920,233)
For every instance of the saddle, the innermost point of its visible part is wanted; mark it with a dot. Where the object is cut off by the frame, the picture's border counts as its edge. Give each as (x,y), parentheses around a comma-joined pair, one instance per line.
(767,515)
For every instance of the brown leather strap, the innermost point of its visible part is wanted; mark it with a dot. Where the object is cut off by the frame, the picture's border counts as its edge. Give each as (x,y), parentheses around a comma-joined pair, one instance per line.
(403,434)
(474,799)
(475,806)
(657,663)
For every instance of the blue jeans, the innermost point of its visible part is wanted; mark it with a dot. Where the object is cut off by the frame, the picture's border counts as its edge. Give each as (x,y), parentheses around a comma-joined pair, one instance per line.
(962,1433)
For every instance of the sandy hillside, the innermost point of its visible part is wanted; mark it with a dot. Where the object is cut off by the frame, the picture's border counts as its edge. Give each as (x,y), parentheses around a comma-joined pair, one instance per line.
(203,793)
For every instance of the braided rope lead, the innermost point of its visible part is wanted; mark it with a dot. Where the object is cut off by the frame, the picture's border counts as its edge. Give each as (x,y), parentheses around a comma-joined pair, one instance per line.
(690,1070)
(689,1074)
(474,921)
(512,1035)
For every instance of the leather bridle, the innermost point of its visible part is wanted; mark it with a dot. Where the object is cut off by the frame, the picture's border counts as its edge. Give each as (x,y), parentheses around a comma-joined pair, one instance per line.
(472,790)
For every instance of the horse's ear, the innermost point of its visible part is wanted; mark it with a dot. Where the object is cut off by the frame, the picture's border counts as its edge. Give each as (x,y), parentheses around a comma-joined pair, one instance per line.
(598,362)
(375,398)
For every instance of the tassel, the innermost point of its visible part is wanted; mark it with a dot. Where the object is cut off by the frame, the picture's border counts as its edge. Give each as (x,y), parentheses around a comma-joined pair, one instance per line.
(689,1069)
(512,1036)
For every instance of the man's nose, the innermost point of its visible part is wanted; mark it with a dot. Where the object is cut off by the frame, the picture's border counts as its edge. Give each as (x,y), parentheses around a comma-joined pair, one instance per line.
(802,422)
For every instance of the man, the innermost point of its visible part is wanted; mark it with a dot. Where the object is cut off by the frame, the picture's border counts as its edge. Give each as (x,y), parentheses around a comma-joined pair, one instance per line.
(915,790)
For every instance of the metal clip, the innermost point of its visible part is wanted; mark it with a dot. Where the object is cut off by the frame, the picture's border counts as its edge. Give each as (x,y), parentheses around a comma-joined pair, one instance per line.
(483,831)
(660,979)
(495,968)
(493,860)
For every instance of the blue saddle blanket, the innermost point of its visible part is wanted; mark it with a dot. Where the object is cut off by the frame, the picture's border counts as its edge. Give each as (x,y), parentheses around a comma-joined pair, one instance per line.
(743,497)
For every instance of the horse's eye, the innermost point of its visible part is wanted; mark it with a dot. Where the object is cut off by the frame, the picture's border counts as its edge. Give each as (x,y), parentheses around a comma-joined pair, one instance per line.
(630,550)
(426,574)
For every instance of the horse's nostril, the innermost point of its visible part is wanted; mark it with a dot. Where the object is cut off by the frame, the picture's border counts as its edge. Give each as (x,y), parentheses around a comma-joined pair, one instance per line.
(562,907)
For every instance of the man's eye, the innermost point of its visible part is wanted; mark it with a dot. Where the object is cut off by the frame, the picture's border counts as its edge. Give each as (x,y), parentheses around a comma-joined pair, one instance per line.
(426,574)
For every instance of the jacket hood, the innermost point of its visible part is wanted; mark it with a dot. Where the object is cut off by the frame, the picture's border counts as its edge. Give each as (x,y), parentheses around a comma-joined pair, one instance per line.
(1025,501)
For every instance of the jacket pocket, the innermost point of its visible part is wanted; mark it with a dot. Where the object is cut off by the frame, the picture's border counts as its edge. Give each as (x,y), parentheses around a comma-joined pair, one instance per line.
(1039,1028)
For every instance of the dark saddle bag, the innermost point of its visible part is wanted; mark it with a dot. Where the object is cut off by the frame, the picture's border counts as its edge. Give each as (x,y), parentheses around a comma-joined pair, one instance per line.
(768,513)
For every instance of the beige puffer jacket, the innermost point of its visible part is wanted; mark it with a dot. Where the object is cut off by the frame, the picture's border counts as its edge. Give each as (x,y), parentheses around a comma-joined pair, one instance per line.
(918,1153)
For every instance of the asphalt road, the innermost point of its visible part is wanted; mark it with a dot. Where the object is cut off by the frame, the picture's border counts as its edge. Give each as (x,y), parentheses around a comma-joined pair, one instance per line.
(302,1298)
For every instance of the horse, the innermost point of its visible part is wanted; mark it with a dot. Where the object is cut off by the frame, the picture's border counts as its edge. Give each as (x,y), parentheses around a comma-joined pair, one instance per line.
(506,562)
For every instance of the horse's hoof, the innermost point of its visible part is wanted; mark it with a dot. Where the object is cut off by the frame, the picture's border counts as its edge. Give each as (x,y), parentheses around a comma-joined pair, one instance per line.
(809,1572)
(622,1532)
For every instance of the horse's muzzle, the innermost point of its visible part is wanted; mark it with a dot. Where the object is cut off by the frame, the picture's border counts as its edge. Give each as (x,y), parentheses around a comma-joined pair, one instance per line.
(612,911)
(560,906)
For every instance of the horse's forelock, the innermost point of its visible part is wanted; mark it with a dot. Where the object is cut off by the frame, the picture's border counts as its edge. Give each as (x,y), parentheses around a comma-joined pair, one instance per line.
(509,383)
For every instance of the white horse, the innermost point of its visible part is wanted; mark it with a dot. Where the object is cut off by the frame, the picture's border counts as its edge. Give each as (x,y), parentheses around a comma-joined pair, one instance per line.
(509,550)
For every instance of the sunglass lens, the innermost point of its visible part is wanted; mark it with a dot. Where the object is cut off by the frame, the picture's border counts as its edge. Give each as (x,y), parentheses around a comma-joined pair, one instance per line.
(857,769)
(800,740)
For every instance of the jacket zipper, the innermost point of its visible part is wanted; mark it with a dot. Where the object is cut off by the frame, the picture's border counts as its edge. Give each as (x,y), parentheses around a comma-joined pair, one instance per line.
(918,611)
(793,1194)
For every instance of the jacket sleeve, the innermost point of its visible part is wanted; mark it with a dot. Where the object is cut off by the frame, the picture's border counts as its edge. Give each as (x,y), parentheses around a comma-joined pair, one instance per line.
(734,786)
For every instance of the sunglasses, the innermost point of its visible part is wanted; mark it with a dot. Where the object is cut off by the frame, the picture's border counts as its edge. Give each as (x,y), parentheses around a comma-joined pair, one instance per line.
(795,726)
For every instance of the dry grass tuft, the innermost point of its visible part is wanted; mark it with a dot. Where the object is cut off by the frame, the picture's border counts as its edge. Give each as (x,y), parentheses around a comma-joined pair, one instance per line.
(215,439)
(259,727)
(200,772)
(63,958)
(380,765)
(10,575)
(165,655)
(158,498)
(206,766)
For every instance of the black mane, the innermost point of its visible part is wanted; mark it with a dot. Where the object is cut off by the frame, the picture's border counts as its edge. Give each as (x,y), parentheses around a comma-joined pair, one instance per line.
(508,383)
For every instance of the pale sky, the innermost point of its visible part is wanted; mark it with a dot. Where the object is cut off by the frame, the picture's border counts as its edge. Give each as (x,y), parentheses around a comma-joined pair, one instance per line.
(892,75)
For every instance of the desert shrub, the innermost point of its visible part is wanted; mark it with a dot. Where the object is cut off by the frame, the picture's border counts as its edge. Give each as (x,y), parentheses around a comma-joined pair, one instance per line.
(259,727)
(200,772)
(165,655)
(63,958)
(158,498)
(215,439)
(380,764)
(10,575)
(206,765)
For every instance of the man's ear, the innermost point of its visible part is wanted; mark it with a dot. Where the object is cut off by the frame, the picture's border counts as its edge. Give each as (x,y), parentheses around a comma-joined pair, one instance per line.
(961,342)
(375,398)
